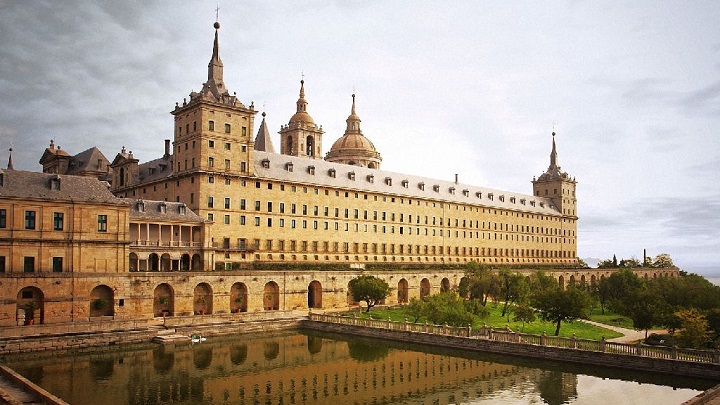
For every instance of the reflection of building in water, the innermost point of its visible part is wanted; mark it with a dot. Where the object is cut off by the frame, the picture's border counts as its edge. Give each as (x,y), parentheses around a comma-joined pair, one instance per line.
(557,388)
(285,369)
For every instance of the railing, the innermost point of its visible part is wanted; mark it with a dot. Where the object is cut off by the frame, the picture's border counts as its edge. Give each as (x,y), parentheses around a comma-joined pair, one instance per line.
(162,243)
(507,335)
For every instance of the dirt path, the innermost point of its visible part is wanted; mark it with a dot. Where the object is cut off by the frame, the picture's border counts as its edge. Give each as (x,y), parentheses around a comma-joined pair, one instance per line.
(630,335)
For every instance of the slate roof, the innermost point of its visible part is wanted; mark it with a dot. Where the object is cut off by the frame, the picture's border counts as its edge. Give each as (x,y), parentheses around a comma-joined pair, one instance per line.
(152,211)
(35,185)
(361,179)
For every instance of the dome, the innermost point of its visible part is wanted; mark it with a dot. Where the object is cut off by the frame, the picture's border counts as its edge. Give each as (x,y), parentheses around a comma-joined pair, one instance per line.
(354,142)
(301,117)
(353,147)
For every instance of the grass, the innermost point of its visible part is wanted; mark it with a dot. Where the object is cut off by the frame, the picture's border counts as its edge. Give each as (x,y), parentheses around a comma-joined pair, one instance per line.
(611,318)
(581,330)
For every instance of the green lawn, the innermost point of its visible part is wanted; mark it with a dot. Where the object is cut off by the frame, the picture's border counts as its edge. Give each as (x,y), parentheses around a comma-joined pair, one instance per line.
(580,329)
(611,318)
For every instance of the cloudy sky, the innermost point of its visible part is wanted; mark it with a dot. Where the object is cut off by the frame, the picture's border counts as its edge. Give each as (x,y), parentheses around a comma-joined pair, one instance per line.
(475,88)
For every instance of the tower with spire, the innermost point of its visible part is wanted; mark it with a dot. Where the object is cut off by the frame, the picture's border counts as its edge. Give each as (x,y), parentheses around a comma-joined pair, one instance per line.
(353,148)
(213,134)
(557,186)
(301,136)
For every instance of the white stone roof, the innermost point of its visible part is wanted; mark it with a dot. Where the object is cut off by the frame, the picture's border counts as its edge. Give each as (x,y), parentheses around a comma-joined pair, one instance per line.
(358,178)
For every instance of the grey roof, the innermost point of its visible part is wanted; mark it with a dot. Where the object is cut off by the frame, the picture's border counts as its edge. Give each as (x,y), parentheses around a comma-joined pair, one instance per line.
(35,185)
(151,210)
(401,185)
(87,161)
(155,169)
(263,142)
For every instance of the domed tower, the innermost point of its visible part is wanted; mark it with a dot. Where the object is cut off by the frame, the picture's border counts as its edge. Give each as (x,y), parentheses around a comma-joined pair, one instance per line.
(353,148)
(301,136)
(557,185)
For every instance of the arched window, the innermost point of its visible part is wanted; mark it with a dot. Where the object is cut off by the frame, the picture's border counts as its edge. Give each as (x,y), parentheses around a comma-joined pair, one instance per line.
(310,146)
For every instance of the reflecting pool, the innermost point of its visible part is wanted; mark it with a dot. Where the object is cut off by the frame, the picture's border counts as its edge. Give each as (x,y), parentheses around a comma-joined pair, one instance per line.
(298,367)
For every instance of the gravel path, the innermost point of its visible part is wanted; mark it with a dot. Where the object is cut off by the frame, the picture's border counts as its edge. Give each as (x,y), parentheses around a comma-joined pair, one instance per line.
(630,335)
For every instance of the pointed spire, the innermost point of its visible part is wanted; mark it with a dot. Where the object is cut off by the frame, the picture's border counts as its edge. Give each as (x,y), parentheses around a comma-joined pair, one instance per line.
(10,162)
(302,103)
(353,121)
(215,67)
(553,154)
(263,142)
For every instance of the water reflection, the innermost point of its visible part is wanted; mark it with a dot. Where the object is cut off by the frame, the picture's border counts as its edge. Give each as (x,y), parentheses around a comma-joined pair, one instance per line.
(313,368)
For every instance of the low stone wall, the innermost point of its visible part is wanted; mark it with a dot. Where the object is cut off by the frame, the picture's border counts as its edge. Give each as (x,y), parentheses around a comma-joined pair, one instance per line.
(30,387)
(106,333)
(655,365)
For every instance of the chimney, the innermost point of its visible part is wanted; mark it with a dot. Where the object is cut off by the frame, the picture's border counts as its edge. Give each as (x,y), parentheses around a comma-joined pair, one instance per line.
(456,178)
(167,148)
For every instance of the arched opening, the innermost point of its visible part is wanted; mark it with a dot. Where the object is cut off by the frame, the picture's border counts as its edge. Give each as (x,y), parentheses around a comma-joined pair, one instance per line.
(165,262)
(102,301)
(196,262)
(202,299)
(424,288)
(185,262)
(238,298)
(582,281)
(271,296)
(315,294)
(310,146)
(122,176)
(561,282)
(289,145)
(445,285)
(572,280)
(163,300)
(372,165)
(133,262)
(30,306)
(592,280)
(153,262)
(403,290)
(352,163)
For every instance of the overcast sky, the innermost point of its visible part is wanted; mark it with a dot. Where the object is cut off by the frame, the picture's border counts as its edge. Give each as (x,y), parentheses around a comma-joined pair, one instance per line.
(632,90)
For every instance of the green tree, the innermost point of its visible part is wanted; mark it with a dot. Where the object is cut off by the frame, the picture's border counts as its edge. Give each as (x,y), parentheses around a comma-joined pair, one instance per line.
(663,260)
(447,308)
(558,305)
(621,287)
(525,314)
(630,263)
(513,288)
(415,309)
(694,332)
(479,283)
(369,289)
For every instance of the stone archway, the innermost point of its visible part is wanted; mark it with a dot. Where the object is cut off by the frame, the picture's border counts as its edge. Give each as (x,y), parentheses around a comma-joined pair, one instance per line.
(592,280)
(153,262)
(102,301)
(315,294)
(445,285)
(424,288)
(561,282)
(203,299)
(196,262)
(238,298)
(403,291)
(163,300)
(185,262)
(30,306)
(271,296)
(165,262)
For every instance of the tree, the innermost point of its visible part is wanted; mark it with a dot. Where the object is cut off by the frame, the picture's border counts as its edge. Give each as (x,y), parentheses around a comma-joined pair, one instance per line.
(447,308)
(663,260)
(630,263)
(694,332)
(479,283)
(369,289)
(416,309)
(558,305)
(524,313)
(621,288)
(513,288)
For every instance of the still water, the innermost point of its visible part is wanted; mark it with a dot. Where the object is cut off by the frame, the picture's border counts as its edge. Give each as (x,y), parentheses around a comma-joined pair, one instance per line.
(314,368)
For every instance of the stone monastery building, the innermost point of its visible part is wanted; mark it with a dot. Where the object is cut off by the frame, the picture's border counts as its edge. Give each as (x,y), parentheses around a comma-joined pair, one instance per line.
(222,223)
(297,206)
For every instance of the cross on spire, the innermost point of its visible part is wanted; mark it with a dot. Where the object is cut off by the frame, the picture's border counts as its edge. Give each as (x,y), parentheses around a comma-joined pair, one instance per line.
(217,12)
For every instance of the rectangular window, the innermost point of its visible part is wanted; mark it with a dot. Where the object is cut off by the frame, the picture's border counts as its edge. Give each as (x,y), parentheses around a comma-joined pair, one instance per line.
(211,125)
(242,219)
(282,208)
(2,264)
(58,221)
(227,128)
(257,221)
(269,206)
(211,144)
(242,204)
(29,219)
(227,203)
(57,265)
(211,161)
(211,202)
(243,167)
(102,223)
(227,164)
(210,217)
(29,264)
(227,219)
(227,146)
(257,205)
(3,218)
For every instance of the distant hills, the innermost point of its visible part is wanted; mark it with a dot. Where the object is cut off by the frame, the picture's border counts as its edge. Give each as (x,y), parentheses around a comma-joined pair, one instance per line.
(592,261)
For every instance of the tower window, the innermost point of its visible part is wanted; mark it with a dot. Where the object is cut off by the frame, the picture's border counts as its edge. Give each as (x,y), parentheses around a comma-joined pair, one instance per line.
(211,125)
(102,223)
(227,128)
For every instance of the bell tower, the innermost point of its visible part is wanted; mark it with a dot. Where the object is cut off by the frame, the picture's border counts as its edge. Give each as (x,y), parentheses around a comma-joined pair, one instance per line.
(557,185)
(301,136)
